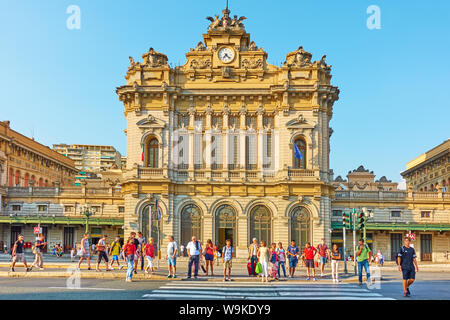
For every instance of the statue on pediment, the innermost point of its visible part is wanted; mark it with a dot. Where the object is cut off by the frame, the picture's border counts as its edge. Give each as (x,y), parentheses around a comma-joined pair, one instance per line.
(252,46)
(215,22)
(154,58)
(200,47)
(323,64)
(302,57)
(237,22)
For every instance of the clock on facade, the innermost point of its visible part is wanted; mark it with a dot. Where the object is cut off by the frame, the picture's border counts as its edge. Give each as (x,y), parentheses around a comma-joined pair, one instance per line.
(226,54)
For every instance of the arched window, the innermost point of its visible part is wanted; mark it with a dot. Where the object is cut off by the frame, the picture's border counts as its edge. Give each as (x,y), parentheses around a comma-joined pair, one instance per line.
(17,179)
(145,223)
(11,177)
(301,145)
(46,183)
(225,225)
(27,179)
(33,178)
(261,224)
(41,182)
(191,223)
(152,153)
(300,226)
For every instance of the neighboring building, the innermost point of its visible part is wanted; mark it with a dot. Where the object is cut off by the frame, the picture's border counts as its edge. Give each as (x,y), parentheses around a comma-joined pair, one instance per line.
(59,213)
(217,139)
(25,162)
(91,158)
(431,170)
(364,180)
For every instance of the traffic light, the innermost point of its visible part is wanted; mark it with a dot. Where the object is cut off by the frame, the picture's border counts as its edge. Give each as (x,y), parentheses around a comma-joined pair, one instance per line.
(361,221)
(347,220)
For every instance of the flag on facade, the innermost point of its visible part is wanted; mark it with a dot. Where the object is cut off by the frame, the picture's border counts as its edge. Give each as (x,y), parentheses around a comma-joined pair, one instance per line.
(158,210)
(298,154)
(142,157)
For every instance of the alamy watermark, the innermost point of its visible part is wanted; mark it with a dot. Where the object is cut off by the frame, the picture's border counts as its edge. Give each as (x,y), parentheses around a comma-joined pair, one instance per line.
(374,20)
(73,22)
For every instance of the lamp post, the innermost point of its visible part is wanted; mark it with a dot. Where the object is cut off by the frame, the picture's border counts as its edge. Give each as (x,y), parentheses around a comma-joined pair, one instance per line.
(87,211)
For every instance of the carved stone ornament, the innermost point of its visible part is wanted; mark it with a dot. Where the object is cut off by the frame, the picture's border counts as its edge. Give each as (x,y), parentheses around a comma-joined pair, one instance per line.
(300,58)
(154,59)
(150,122)
(200,63)
(323,65)
(252,46)
(200,47)
(226,23)
(252,63)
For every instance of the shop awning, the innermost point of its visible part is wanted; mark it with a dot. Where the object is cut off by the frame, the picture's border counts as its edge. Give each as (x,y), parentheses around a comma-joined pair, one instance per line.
(62,220)
(399,226)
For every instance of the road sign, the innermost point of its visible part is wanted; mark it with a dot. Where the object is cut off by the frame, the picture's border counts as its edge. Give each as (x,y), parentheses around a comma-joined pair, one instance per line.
(411,235)
(37,230)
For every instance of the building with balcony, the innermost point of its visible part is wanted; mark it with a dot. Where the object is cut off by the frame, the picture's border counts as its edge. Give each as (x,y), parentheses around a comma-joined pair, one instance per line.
(214,141)
(431,170)
(91,158)
(25,162)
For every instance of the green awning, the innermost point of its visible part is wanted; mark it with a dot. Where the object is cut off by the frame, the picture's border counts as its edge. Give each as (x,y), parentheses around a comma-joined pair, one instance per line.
(400,226)
(62,220)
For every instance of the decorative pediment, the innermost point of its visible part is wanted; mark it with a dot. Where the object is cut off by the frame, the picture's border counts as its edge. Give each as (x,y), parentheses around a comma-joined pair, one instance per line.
(151,123)
(299,123)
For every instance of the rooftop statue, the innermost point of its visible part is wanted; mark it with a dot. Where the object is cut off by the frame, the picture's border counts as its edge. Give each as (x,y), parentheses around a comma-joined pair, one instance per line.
(226,23)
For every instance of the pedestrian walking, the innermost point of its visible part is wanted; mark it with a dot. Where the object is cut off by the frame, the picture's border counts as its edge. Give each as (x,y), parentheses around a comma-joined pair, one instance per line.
(335,257)
(263,254)
(209,256)
(274,259)
(73,253)
(193,248)
(18,253)
(84,251)
(142,242)
(129,253)
(92,248)
(282,257)
(363,256)
(292,253)
(308,254)
(253,256)
(39,247)
(172,250)
(102,253)
(323,251)
(149,252)
(138,251)
(114,251)
(407,260)
(227,254)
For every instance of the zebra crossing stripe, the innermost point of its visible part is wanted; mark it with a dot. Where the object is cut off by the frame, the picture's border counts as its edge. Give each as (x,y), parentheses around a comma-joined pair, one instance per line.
(263,289)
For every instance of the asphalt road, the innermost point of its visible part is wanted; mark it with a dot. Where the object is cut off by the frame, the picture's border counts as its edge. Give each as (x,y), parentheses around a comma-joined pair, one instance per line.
(429,285)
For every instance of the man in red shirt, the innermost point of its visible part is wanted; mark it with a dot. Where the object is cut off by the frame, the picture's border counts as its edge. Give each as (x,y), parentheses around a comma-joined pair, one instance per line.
(323,250)
(308,255)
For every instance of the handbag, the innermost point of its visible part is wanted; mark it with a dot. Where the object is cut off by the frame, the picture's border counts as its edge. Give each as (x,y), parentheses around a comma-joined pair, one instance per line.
(258,268)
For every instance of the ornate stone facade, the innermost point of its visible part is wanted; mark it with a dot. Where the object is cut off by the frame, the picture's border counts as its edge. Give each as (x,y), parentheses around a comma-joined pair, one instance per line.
(213,141)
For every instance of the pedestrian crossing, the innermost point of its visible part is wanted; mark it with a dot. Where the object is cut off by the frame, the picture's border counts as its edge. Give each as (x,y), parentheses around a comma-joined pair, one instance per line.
(181,290)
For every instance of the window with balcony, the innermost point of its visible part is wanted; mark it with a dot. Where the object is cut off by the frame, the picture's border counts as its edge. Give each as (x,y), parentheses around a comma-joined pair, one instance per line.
(16,207)
(301,145)
(152,153)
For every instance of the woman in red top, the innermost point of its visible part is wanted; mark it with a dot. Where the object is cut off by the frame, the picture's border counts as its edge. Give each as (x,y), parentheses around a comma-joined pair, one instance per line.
(149,251)
(309,254)
(128,254)
(209,256)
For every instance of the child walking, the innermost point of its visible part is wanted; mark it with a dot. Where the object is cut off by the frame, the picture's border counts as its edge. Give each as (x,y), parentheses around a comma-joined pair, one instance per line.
(282,256)
(274,259)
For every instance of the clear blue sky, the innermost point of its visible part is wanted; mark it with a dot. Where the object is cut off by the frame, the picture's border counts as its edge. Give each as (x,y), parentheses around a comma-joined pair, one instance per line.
(59,84)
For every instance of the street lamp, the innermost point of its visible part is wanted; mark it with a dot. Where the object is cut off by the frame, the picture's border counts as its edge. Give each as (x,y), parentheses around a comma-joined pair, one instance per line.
(87,211)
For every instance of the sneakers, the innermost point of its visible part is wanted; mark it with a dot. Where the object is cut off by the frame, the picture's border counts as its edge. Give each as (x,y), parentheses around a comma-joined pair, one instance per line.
(307,278)
(224,279)
(28,269)
(11,270)
(321,275)
(314,279)
(409,292)
(169,276)
(174,276)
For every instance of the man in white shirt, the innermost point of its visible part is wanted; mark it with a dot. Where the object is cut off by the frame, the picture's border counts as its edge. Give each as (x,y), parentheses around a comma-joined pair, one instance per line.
(172,250)
(193,249)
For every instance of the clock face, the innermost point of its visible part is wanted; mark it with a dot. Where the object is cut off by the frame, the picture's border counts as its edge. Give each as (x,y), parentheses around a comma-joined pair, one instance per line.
(226,55)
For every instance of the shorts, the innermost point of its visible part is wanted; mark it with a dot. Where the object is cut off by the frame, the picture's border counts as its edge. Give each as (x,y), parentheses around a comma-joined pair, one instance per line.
(409,273)
(323,260)
(209,257)
(115,257)
(102,255)
(227,264)
(150,261)
(20,257)
(293,263)
(172,262)
(310,263)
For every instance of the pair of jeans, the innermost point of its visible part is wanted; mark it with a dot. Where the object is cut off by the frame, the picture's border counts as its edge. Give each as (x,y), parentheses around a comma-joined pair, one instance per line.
(363,264)
(193,260)
(253,261)
(280,265)
(38,260)
(130,263)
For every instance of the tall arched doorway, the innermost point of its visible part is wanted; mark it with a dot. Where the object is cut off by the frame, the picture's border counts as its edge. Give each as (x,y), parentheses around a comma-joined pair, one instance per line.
(225,225)
(261,224)
(149,227)
(191,223)
(300,226)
